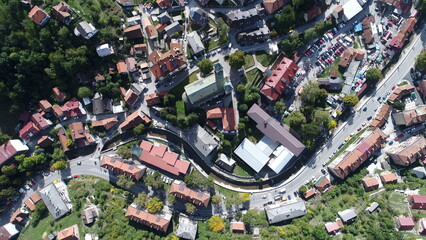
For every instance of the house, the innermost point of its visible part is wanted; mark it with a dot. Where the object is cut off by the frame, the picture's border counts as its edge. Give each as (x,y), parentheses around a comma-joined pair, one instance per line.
(18,217)
(164,4)
(89,215)
(207,88)
(372,207)
(126,3)
(238,228)
(310,193)
(104,50)
(80,135)
(133,32)
(63,138)
(407,152)
(39,16)
(225,162)
(276,84)
(332,228)
(11,148)
(381,117)
(150,30)
(71,108)
(187,228)
(417,201)
(348,10)
(322,184)
(134,120)
(346,58)
(30,205)
(129,96)
(272,6)
(401,92)
(388,178)
(419,171)
(240,19)
(285,212)
(44,141)
(58,95)
(164,18)
(121,67)
(367,26)
(8,231)
(347,216)
(70,233)
(57,111)
(196,46)
(131,64)
(152,99)
(258,35)
(40,121)
(131,21)
(227,116)
(410,117)
(180,190)
(62,12)
(54,201)
(28,131)
(405,223)
(399,39)
(173,28)
(85,29)
(152,221)
(198,16)
(168,63)
(45,105)
(422,226)
(331,84)
(115,165)
(370,184)
(101,105)
(357,153)
(107,123)
(139,49)
(157,155)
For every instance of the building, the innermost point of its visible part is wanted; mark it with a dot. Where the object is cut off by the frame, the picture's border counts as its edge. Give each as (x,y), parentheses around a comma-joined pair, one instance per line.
(198,16)
(276,84)
(312,13)
(63,138)
(399,39)
(158,156)
(107,123)
(332,228)
(164,4)
(410,117)
(134,120)
(80,134)
(104,50)
(272,6)
(187,228)
(152,99)
(86,30)
(346,58)
(139,49)
(285,212)
(89,215)
(70,233)
(121,67)
(134,20)
(348,10)
(225,162)
(227,117)
(133,32)
(131,64)
(53,200)
(115,165)
(388,178)
(405,223)
(258,35)
(251,155)
(422,226)
(331,84)
(417,201)
(60,96)
(207,88)
(368,24)
(381,117)
(173,28)
(357,153)
(310,193)
(372,207)
(44,141)
(202,141)
(180,190)
(39,16)
(196,46)
(419,171)
(322,184)
(240,19)
(18,216)
(101,105)
(45,105)
(347,216)
(167,63)
(401,92)
(40,122)
(152,221)
(10,149)
(8,231)
(407,152)
(151,32)
(274,131)
(62,12)
(71,109)
(370,184)
(164,18)
(28,131)
(238,228)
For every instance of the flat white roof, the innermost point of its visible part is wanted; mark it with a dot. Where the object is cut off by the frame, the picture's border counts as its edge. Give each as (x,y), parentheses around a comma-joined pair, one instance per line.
(351,8)
(281,159)
(266,145)
(18,145)
(250,154)
(11,228)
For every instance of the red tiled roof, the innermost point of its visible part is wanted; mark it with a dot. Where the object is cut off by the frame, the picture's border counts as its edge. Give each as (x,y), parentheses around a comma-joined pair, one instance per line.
(61,11)
(28,131)
(71,108)
(44,141)
(122,168)
(58,94)
(238,226)
(106,123)
(133,32)
(152,99)
(418,199)
(152,221)
(45,105)
(182,191)
(39,121)
(70,233)
(121,67)
(272,6)
(164,3)
(226,114)
(63,139)
(133,120)
(280,79)
(37,15)
(35,197)
(30,205)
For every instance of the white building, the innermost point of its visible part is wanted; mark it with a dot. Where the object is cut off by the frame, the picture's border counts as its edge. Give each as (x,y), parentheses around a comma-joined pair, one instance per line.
(85,29)
(104,50)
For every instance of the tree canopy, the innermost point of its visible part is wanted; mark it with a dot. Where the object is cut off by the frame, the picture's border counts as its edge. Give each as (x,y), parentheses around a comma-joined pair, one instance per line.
(154,205)
(421,59)
(313,95)
(125,182)
(124,152)
(59,165)
(190,208)
(216,224)
(373,75)
(205,65)
(296,119)
(236,59)
(84,92)
(350,100)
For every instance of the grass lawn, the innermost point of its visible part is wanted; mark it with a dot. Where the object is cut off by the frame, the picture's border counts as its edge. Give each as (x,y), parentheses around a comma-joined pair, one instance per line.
(422,191)
(249,61)
(180,108)
(193,77)
(213,43)
(225,192)
(353,139)
(179,89)
(265,59)
(397,202)
(334,66)
(253,76)
(238,170)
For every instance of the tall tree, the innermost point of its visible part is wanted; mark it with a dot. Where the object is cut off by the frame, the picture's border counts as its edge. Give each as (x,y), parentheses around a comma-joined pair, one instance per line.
(236,59)
(373,75)
(296,120)
(154,205)
(205,65)
(190,208)
(216,224)
(125,182)
(350,100)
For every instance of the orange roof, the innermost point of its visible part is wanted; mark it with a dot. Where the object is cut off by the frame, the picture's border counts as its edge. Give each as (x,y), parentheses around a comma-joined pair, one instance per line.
(30,205)
(133,120)
(388,177)
(346,58)
(106,123)
(70,233)
(57,110)
(401,92)
(381,116)
(226,114)
(152,99)
(276,84)
(121,67)
(58,94)
(370,183)
(311,192)
(37,15)
(35,197)
(152,221)
(45,105)
(17,216)
(238,226)
(272,6)
(190,195)
(122,168)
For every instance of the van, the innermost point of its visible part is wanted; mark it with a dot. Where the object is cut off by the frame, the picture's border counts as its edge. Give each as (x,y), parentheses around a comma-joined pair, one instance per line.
(282,191)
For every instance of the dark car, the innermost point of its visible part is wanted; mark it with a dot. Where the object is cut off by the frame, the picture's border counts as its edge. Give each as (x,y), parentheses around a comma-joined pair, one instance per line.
(289,197)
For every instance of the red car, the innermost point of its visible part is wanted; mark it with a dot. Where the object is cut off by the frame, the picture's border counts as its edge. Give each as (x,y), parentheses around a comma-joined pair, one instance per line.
(399,137)
(394,86)
(75,176)
(390,24)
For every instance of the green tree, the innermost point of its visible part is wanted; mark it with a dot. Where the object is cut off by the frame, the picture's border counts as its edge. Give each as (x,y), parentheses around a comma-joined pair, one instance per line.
(138,130)
(216,224)
(236,59)
(314,96)
(216,199)
(39,213)
(169,100)
(242,108)
(303,189)
(190,208)
(172,237)
(322,117)
(171,198)
(399,105)
(310,131)
(195,179)
(154,205)
(69,143)
(286,20)
(58,154)
(59,165)
(205,65)
(350,100)
(3,137)
(310,34)
(373,75)
(141,199)
(331,124)
(9,170)
(4,181)
(84,92)
(124,152)
(296,119)
(421,59)
(223,31)
(153,180)
(241,88)
(125,182)
(279,107)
